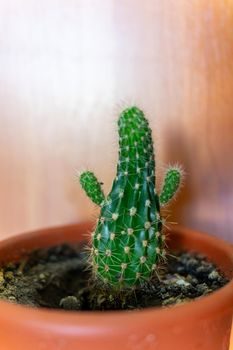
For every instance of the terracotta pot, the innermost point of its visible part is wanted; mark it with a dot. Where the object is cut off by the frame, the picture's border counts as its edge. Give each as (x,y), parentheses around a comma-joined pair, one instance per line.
(201,324)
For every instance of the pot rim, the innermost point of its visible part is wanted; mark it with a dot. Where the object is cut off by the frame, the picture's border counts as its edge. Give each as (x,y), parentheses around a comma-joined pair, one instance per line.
(220,301)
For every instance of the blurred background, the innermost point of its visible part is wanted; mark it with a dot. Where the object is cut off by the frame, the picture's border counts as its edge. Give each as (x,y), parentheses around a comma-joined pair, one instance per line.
(67,67)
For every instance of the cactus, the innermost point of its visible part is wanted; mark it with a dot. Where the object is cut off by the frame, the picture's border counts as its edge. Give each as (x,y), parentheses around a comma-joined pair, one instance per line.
(128,241)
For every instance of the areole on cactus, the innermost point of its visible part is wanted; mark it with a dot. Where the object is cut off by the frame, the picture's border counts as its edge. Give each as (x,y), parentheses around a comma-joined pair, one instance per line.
(128,241)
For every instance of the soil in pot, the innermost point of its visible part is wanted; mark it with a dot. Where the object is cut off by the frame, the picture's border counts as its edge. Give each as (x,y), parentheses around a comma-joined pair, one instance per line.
(58,278)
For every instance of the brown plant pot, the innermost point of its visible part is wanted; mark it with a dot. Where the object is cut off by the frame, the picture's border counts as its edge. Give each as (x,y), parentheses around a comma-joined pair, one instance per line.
(200,324)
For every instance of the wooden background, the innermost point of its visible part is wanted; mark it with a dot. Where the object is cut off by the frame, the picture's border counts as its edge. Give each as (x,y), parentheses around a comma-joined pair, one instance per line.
(67,67)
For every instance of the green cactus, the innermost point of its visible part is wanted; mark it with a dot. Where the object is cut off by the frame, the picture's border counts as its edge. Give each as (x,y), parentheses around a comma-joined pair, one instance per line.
(128,242)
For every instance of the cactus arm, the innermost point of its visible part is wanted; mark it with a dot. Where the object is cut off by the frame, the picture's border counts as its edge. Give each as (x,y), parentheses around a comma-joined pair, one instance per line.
(171,184)
(92,187)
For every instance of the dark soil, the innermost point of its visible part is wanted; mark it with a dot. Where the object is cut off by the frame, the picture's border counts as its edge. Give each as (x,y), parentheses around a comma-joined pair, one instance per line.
(57,278)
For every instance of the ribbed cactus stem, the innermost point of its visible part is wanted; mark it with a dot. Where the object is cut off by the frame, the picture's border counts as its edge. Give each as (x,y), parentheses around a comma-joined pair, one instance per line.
(171,184)
(127,242)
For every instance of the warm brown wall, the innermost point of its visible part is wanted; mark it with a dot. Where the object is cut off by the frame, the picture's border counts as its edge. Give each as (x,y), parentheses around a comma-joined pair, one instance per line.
(66,66)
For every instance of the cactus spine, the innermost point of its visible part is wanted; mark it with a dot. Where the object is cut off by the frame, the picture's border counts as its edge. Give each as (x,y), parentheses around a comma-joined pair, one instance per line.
(128,241)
